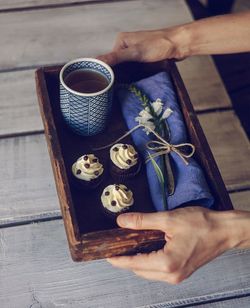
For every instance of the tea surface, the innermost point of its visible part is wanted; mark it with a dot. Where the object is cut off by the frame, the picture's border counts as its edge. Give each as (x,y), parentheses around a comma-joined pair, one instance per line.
(86,81)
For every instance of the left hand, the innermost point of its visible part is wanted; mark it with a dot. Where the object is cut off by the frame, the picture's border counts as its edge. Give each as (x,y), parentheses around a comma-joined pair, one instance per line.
(145,46)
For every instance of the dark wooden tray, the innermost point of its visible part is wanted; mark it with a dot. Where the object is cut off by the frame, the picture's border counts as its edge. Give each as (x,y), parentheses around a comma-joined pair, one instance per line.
(91,234)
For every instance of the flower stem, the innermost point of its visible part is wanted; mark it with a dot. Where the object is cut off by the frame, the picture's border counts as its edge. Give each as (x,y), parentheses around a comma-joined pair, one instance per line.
(168,166)
(163,169)
(164,195)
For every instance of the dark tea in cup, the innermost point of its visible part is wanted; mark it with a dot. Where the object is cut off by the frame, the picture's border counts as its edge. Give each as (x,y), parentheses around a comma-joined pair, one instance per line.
(86,81)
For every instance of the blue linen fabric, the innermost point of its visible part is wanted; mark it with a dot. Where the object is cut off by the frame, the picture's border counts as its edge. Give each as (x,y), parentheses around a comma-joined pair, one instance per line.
(190,183)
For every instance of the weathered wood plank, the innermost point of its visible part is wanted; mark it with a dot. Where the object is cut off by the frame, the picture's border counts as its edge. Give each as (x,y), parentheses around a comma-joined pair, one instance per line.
(36,269)
(19,110)
(23,39)
(40,37)
(26,186)
(27,189)
(18,4)
(239,5)
(230,147)
(203,83)
(241,200)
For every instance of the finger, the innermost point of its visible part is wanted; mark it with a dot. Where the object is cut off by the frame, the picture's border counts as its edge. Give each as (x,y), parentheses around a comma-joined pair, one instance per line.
(109,58)
(160,276)
(120,43)
(149,221)
(128,54)
(126,39)
(154,261)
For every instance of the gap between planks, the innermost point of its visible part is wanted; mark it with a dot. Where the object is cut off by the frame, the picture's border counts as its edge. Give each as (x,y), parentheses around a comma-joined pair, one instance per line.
(240,200)
(30,219)
(241,301)
(22,134)
(41,131)
(51,5)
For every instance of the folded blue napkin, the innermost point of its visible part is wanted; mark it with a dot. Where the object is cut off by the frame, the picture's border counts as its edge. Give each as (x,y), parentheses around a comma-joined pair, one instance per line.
(190,183)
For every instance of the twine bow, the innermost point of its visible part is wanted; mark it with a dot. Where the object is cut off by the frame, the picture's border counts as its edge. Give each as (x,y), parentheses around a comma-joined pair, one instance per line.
(160,146)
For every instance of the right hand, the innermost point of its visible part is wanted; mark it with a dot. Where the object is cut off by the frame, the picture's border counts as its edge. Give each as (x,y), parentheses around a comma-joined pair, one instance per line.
(194,236)
(143,46)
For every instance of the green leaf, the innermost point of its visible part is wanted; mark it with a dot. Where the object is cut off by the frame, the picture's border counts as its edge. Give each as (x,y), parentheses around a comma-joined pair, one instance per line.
(157,169)
(160,178)
(141,96)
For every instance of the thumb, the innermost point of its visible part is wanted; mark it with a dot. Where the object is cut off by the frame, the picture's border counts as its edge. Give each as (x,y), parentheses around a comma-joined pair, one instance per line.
(140,221)
(122,55)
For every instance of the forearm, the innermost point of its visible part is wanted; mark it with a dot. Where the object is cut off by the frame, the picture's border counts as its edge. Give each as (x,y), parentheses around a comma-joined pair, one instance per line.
(215,35)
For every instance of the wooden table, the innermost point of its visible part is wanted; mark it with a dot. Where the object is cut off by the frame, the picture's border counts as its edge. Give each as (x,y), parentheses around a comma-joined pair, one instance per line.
(35,267)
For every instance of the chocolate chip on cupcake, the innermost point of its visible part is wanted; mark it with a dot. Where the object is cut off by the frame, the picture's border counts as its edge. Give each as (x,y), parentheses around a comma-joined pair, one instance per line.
(87,171)
(116,199)
(125,162)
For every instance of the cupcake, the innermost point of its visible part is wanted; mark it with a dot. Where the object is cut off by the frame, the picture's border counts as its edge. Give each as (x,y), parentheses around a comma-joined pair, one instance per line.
(125,162)
(87,171)
(116,199)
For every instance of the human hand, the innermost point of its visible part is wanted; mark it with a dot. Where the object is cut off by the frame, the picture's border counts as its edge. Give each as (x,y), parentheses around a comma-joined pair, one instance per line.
(145,46)
(214,35)
(194,236)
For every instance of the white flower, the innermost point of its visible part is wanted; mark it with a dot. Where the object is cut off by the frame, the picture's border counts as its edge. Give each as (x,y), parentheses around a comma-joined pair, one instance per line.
(147,126)
(145,114)
(157,105)
(146,119)
(167,113)
(146,123)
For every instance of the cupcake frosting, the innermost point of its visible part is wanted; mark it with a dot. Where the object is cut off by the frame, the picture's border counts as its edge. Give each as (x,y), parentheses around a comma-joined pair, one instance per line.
(116,198)
(87,167)
(124,156)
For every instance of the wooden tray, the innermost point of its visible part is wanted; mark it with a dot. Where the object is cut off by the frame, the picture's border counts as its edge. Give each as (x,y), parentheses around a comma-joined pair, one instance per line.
(91,234)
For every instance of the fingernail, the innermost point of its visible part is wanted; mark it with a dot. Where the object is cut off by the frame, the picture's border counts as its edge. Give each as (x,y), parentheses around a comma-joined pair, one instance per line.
(123,220)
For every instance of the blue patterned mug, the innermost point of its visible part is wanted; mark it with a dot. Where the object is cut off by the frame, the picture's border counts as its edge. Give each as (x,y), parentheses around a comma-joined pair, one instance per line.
(86,113)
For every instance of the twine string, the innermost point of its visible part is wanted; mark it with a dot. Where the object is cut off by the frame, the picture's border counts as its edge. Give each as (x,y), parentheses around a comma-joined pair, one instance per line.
(160,146)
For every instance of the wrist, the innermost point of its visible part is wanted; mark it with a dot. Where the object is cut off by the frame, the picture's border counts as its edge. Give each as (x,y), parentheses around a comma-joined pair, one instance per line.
(180,37)
(233,228)
(241,225)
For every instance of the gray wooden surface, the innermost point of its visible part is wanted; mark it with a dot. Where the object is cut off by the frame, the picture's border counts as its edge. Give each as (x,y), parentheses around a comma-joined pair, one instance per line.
(27,187)
(56,35)
(19,108)
(241,200)
(230,147)
(22,4)
(35,267)
(203,83)
(24,35)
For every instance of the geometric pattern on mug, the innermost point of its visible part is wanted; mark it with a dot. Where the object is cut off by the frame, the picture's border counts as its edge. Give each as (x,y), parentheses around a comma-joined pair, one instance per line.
(85,115)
